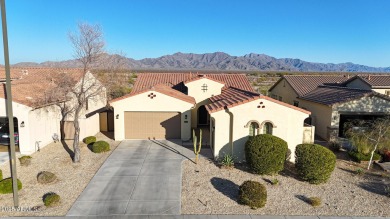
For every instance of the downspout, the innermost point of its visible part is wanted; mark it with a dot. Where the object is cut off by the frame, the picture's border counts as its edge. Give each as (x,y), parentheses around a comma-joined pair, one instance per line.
(230,129)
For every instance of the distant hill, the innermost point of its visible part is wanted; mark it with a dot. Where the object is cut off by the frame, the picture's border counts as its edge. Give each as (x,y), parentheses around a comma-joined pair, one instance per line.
(221,61)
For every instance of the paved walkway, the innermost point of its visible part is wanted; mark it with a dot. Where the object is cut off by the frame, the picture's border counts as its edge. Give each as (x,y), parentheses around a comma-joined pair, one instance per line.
(141,177)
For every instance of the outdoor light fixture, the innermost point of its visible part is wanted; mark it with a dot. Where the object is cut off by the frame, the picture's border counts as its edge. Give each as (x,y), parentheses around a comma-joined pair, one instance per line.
(117,116)
(185,116)
(22,124)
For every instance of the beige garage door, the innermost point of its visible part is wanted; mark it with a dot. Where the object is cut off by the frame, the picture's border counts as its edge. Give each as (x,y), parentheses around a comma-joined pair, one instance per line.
(158,125)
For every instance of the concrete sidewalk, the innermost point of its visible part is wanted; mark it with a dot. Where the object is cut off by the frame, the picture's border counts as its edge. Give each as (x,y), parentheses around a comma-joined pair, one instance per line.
(141,177)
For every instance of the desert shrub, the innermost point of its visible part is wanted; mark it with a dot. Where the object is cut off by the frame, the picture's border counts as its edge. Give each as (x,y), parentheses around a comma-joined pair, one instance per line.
(253,194)
(334,146)
(359,157)
(51,199)
(25,160)
(6,185)
(100,147)
(266,154)
(89,140)
(359,171)
(314,162)
(315,201)
(274,182)
(1,175)
(45,177)
(227,161)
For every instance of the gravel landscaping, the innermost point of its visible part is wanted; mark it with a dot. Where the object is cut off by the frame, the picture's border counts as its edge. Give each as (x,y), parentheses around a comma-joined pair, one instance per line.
(71,178)
(208,189)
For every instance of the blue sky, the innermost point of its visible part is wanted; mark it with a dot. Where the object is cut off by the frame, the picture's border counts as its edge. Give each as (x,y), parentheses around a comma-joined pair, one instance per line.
(331,31)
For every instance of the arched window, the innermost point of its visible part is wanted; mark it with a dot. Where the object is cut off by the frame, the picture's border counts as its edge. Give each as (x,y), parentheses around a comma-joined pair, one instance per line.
(267,128)
(253,129)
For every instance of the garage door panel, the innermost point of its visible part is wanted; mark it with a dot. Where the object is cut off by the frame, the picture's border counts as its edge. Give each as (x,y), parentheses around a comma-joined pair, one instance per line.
(159,125)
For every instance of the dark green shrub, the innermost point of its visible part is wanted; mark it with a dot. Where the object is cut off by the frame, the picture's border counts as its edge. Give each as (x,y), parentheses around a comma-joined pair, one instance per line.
(314,162)
(51,199)
(334,146)
(89,140)
(6,186)
(253,194)
(25,160)
(1,175)
(45,177)
(358,157)
(100,146)
(266,154)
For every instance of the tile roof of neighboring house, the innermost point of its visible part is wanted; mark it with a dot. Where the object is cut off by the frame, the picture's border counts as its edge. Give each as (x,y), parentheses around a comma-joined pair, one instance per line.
(329,95)
(303,84)
(231,97)
(34,83)
(198,77)
(175,80)
(372,80)
(167,90)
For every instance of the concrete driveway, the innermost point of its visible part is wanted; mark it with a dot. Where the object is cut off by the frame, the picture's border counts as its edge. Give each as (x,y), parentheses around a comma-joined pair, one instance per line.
(141,177)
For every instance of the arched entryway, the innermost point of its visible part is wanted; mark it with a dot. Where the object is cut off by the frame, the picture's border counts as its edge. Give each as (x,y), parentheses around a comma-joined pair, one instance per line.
(203,116)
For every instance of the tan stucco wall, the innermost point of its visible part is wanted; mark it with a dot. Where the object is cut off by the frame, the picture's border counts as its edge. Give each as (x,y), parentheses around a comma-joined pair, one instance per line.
(142,103)
(321,116)
(284,90)
(381,90)
(358,83)
(195,89)
(288,122)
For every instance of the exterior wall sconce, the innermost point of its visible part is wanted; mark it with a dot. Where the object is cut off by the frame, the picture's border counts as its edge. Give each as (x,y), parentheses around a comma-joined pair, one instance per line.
(185,116)
(22,124)
(117,116)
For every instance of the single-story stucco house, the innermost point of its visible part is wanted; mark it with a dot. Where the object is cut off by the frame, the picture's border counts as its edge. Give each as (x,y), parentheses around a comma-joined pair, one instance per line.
(38,124)
(335,100)
(171,105)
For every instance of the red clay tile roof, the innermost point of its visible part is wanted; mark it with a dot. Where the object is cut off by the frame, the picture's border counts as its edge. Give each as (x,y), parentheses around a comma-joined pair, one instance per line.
(372,80)
(175,80)
(231,97)
(303,84)
(33,83)
(167,90)
(329,95)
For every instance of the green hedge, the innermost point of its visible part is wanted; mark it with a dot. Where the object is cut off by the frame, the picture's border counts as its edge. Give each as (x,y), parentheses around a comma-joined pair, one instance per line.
(51,199)
(100,146)
(253,194)
(89,140)
(266,154)
(358,157)
(6,186)
(314,162)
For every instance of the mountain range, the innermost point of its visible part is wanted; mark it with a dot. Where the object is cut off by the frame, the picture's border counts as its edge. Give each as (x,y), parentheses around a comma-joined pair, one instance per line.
(218,61)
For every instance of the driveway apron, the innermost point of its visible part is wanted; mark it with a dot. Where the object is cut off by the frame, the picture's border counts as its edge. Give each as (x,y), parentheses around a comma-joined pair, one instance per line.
(141,177)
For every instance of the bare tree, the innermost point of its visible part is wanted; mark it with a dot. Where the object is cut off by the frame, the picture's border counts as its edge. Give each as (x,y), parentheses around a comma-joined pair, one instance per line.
(369,137)
(88,45)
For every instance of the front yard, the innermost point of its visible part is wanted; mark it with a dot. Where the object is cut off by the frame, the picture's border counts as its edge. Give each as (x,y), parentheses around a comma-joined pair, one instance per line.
(71,178)
(207,189)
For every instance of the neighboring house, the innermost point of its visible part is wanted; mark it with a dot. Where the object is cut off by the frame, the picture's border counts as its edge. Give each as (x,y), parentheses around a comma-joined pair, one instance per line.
(171,105)
(335,100)
(38,124)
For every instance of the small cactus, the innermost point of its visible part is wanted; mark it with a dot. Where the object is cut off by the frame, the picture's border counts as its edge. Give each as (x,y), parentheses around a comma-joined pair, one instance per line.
(199,147)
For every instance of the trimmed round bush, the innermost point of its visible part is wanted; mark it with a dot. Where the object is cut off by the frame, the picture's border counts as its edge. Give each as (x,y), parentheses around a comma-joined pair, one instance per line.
(46,177)
(266,154)
(25,160)
(100,147)
(1,175)
(253,194)
(6,186)
(51,199)
(89,140)
(314,162)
